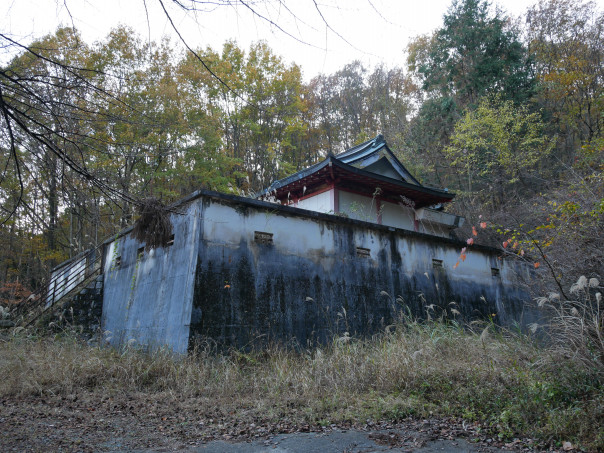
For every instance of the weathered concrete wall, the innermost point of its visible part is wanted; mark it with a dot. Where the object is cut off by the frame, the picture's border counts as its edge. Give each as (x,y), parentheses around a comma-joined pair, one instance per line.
(321,275)
(83,310)
(147,295)
(243,271)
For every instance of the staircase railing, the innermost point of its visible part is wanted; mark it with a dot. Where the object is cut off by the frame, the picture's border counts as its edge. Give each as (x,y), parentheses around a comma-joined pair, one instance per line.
(65,280)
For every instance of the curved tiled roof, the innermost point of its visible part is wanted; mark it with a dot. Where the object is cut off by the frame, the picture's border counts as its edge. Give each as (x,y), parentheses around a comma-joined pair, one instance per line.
(375,147)
(352,169)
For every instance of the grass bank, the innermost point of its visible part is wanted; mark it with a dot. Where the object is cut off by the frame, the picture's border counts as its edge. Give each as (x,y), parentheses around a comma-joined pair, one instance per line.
(415,368)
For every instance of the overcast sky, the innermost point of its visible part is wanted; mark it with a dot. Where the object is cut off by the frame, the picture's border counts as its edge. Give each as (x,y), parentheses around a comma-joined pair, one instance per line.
(373,31)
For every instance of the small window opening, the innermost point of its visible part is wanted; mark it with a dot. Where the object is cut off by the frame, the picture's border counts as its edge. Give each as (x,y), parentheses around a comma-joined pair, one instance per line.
(437,264)
(363,252)
(118,261)
(170,241)
(263,238)
(494,272)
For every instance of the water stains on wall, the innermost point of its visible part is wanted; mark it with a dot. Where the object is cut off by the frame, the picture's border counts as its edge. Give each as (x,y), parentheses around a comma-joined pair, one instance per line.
(247,272)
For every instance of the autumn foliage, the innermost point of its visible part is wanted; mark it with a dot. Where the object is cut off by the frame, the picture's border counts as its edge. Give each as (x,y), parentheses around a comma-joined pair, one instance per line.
(506,113)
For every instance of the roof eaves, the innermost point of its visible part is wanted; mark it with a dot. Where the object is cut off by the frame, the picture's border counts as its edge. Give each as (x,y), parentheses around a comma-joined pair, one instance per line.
(436,192)
(297,176)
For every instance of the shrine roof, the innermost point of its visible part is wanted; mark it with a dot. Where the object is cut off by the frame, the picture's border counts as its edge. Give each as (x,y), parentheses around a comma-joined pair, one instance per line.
(352,170)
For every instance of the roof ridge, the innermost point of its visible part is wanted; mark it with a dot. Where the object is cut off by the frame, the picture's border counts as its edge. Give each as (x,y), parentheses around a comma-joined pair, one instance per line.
(375,140)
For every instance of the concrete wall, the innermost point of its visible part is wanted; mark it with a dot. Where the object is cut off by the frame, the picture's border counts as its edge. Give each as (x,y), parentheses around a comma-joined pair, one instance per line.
(84,310)
(243,272)
(437,223)
(435,229)
(147,296)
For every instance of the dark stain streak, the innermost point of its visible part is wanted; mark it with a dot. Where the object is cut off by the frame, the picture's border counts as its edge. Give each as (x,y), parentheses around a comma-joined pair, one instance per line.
(253,293)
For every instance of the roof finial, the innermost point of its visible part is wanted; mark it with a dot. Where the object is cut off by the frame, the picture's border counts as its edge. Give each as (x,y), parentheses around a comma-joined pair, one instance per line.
(379,138)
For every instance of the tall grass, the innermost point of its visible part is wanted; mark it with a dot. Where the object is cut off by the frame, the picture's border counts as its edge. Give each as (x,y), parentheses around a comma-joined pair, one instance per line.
(576,328)
(414,368)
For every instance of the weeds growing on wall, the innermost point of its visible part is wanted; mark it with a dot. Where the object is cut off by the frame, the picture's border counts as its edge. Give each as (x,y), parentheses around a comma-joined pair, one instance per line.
(153,227)
(506,381)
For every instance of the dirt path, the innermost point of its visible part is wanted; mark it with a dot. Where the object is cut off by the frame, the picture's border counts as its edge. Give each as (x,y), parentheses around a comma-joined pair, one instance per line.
(163,423)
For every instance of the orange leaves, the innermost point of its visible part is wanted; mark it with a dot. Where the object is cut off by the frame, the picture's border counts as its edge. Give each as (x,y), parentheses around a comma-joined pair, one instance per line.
(462,256)
(537,264)
(469,241)
(13,293)
(514,245)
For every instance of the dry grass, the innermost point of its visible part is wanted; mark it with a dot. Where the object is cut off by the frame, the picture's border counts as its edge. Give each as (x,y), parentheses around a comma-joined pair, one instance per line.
(576,329)
(418,369)
(392,361)
(153,227)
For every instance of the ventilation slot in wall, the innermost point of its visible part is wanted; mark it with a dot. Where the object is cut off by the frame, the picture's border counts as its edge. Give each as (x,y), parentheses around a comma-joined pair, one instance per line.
(363,252)
(170,242)
(494,272)
(437,264)
(118,261)
(263,238)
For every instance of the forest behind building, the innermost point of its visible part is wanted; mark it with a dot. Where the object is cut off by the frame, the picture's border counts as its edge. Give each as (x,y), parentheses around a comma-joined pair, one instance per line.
(505,112)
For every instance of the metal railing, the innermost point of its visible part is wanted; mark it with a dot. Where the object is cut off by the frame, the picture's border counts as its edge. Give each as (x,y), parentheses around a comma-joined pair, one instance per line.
(65,281)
